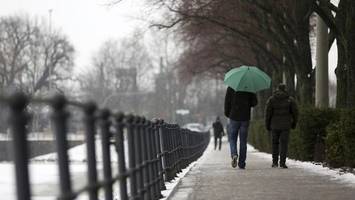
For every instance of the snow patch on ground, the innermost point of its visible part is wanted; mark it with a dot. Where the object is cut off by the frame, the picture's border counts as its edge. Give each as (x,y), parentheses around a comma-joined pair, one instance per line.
(171,186)
(44,174)
(334,174)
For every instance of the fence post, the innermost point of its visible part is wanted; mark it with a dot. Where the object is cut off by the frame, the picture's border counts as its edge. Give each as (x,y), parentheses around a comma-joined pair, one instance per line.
(119,138)
(159,150)
(190,144)
(132,159)
(151,160)
(106,153)
(183,147)
(165,150)
(156,160)
(90,130)
(139,157)
(60,118)
(144,153)
(177,149)
(171,152)
(18,119)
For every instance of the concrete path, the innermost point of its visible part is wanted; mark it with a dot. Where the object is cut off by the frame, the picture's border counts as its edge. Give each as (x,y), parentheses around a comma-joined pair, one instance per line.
(213,178)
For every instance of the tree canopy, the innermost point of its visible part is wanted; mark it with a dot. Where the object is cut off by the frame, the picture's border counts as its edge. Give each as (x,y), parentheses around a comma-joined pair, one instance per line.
(274,35)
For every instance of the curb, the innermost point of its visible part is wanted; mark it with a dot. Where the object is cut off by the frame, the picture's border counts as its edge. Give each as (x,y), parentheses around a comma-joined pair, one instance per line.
(188,169)
(173,191)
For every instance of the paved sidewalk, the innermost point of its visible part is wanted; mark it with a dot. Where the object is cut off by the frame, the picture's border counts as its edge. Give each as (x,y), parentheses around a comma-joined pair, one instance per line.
(213,178)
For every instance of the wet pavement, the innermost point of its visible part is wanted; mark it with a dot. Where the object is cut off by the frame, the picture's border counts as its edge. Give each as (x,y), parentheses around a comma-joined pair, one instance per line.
(213,178)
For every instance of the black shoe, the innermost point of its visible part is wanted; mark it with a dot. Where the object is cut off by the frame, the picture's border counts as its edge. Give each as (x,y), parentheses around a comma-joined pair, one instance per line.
(274,165)
(241,166)
(283,166)
(234,161)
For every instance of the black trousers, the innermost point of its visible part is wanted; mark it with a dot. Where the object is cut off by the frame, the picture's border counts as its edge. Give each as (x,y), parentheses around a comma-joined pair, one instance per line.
(279,145)
(216,138)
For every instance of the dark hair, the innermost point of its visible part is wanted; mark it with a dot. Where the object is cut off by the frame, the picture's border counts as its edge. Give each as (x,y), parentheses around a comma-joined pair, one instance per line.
(282,87)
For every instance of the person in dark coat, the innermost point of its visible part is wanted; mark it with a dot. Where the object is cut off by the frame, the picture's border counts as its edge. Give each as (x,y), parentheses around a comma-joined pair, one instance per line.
(218,132)
(237,107)
(281,115)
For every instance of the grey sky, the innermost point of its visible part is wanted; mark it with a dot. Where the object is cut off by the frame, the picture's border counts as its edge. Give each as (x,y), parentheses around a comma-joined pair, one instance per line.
(87,23)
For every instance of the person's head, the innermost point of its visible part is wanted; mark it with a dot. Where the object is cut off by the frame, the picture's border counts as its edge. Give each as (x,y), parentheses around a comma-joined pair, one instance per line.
(217,118)
(281,87)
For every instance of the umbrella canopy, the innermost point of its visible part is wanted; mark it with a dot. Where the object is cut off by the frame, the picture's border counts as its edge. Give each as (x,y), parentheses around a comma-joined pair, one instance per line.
(247,79)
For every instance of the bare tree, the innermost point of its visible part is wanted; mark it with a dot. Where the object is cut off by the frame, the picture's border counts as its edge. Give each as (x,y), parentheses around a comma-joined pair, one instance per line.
(30,56)
(118,72)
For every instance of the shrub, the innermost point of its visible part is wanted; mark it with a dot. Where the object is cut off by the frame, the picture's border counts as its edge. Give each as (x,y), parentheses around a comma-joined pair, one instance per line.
(306,141)
(340,141)
(259,137)
(334,141)
(295,145)
(348,129)
(321,135)
(311,132)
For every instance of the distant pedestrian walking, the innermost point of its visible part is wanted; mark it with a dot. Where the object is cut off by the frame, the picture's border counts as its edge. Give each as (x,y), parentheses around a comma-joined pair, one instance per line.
(237,107)
(281,115)
(218,132)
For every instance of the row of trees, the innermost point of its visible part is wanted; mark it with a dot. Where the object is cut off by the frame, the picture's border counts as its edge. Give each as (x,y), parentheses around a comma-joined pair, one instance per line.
(123,74)
(118,73)
(274,35)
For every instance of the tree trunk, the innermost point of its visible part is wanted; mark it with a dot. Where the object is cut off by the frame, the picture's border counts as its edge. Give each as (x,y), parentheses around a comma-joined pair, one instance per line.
(345,71)
(350,26)
(305,76)
(290,80)
(305,88)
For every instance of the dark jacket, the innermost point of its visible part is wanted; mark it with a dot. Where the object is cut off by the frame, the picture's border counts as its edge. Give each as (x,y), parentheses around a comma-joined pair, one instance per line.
(281,112)
(217,128)
(237,104)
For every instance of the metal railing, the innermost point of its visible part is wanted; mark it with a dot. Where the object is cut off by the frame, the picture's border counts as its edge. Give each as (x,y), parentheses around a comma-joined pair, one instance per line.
(157,151)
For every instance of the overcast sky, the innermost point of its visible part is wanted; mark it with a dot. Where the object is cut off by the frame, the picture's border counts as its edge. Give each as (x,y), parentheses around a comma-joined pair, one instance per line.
(87,23)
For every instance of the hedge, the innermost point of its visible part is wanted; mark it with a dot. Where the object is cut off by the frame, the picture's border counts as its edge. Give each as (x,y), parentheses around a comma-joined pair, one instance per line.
(322,135)
(340,141)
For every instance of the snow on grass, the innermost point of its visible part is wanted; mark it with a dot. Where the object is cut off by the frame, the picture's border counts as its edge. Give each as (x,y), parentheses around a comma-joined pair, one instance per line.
(333,174)
(78,154)
(43,177)
(44,174)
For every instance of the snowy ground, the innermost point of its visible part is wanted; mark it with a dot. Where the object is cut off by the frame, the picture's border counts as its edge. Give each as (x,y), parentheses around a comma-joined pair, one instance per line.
(38,136)
(334,174)
(44,176)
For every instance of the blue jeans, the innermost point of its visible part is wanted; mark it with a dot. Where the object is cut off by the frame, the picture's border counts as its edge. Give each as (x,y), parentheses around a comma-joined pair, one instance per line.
(241,128)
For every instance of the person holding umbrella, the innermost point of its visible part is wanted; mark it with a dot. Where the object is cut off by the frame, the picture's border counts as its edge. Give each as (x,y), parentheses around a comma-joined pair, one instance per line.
(243,82)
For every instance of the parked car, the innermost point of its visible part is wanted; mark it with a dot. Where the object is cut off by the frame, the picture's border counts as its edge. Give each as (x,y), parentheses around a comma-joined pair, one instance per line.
(195,127)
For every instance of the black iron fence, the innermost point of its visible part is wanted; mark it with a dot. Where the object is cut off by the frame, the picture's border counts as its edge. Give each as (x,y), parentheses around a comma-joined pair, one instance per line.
(157,151)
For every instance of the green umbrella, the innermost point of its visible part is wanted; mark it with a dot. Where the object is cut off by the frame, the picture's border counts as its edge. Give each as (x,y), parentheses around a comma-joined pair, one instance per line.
(247,79)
